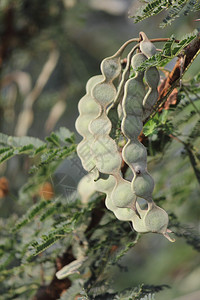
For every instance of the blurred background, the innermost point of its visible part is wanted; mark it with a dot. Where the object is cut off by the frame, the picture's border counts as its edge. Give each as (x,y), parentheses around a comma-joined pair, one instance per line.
(48,51)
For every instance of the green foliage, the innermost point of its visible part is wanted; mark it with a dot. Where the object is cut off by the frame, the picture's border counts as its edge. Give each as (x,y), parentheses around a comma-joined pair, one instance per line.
(50,238)
(31,213)
(169,51)
(75,289)
(189,234)
(174,10)
(159,122)
(58,146)
(142,292)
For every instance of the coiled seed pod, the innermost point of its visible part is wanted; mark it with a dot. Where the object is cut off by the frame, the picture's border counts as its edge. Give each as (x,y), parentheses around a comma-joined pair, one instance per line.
(107,157)
(88,110)
(132,104)
(151,76)
(154,219)
(96,126)
(146,46)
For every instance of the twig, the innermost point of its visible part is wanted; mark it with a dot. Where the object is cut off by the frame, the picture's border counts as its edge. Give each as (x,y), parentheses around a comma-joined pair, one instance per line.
(193,162)
(26,117)
(55,113)
(192,102)
(189,54)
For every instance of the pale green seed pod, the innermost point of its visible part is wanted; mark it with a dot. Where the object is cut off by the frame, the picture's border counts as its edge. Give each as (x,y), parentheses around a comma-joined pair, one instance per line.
(122,195)
(107,186)
(133,153)
(104,93)
(152,78)
(124,214)
(132,126)
(143,185)
(95,124)
(88,110)
(100,126)
(156,220)
(146,46)
(86,188)
(111,68)
(136,153)
(114,111)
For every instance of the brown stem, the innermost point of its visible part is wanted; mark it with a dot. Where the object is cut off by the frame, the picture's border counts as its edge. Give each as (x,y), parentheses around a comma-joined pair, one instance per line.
(183,63)
(176,138)
(162,40)
(56,287)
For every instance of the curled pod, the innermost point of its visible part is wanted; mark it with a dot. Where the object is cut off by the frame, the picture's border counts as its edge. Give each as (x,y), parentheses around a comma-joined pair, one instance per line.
(122,196)
(156,220)
(86,188)
(107,157)
(137,155)
(95,124)
(104,93)
(114,111)
(146,46)
(152,78)
(143,184)
(88,110)
(153,220)
(134,153)
(106,185)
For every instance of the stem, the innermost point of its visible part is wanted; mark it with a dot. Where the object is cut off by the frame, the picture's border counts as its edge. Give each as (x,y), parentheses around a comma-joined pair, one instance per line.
(138,40)
(193,162)
(162,40)
(176,138)
(192,102)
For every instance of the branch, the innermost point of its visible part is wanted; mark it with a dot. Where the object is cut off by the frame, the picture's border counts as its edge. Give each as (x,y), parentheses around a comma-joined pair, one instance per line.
(183,63)
(25,118)
(56,287)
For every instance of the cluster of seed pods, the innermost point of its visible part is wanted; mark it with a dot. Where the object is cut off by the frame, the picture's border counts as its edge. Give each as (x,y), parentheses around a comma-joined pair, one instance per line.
(104,159)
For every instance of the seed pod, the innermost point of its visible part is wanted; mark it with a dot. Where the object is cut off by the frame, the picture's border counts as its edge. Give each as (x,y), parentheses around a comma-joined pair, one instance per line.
(151,76)
(146,46)
(86,188)
(97,123)
(88,110)
(152,79)
(135,106)
(133,152)
(153,219)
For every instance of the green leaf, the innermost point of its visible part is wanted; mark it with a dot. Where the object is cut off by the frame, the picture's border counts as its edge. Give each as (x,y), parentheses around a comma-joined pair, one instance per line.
(170,50)
(150,128)
(164,116)
(175,9)
(49,239)
(53,139)
(32,212)
(150,9)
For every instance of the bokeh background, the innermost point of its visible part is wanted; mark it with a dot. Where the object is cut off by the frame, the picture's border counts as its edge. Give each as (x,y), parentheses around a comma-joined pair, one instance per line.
(48,51)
